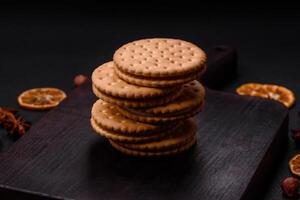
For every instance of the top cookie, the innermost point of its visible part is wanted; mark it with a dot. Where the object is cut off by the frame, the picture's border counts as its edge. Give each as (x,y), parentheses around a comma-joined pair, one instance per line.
(159,57)
(105,80)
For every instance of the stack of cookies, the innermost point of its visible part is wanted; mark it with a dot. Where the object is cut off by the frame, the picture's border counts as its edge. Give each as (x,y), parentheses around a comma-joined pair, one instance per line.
(148,94)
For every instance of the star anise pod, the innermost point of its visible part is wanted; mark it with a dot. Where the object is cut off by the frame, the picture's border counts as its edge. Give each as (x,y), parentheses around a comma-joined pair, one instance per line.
(22,126)
(12,123)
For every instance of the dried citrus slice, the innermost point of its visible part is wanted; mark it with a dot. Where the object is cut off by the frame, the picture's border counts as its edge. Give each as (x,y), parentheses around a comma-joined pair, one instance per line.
(294,165)
(41,98)
(275,92)
(252,89)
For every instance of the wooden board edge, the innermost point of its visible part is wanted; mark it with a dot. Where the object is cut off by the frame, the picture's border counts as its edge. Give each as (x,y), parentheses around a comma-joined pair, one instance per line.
(274,154)
(12,193)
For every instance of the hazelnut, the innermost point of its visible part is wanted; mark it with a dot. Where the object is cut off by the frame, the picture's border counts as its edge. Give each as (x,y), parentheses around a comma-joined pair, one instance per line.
(296,134)
(290,186)
(79,80)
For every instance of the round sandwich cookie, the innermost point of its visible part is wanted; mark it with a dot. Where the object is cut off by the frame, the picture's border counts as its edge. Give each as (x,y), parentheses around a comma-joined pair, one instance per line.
(159,82)
(107,82)
(108,117)
(175,151)
(159,57)
(137,103)
(127,138)
(188,104)
(177,138)
(158,119)
(191,97)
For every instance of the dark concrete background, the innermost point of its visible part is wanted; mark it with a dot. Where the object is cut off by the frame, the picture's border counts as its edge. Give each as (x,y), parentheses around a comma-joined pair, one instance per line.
(47,45)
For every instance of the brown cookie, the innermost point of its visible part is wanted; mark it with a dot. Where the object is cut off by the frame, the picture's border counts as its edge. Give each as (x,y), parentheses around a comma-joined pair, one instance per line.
(178,137)
(105,79)
(126,138)
(159,82)
(137,103)
(158,119)
(131,152)
(191,98)
(108,117)
(159,57)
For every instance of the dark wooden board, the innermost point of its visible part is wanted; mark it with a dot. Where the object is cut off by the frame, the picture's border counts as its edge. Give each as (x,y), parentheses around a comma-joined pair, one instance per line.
(61,157)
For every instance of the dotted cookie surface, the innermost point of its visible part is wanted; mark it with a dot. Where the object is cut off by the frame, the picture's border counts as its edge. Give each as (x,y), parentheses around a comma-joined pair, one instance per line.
(159,57)
(106,80)
(137,103)
(108,117)
(160,83)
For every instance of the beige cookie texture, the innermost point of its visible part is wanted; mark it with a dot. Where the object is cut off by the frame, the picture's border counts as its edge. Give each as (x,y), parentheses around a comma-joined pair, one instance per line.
(105,79)
(137,103)
(159,119)
(175,151)
(191,97)
(159,82)
(117,137)
(179,137)
(108,117)
(159,57)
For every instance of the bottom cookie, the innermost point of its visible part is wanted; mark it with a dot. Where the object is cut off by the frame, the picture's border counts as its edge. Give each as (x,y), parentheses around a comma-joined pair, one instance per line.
(175,139)
(153,154)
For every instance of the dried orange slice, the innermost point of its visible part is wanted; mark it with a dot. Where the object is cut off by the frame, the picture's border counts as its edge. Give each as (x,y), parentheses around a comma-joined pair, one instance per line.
(41,98)
(294,165)
(275,92)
